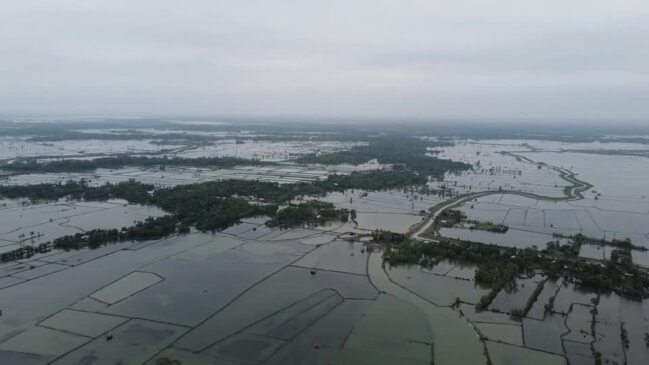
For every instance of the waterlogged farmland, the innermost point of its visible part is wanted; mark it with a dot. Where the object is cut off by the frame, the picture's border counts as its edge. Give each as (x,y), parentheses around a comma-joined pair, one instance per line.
(318,245)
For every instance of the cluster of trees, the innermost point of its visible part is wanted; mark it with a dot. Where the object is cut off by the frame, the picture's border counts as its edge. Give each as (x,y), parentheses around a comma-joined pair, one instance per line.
(149,229)
(571,249)
(409,152)
(308,213)
(207,206)
(452,217)
(44,192)
(137,192)
(449,218)
(214,213)
(116,162)
(498,266)
(287,130)
(388,237)
(372,180)
(621,257)
(489,226)
(495,277)
(619,243)
(69,135)
(532,299)
(219,204)
(25,252)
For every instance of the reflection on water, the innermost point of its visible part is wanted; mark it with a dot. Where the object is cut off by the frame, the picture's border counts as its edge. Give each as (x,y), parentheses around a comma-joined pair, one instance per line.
(512,238)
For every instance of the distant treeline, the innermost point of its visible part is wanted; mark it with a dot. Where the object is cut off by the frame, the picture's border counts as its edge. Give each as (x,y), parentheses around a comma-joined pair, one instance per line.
(348,130)
(75,165)
(409,153)
(149,229)
(213,205)
(137,192)
(216,205)
(63,135)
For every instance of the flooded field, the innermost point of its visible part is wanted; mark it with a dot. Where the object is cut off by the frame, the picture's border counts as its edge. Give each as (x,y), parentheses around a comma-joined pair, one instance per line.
(12,148)
(310,294)
(24,223)
(493,170)
(178,176)
(615,207)
(581,326)
(251,293)
(264,150)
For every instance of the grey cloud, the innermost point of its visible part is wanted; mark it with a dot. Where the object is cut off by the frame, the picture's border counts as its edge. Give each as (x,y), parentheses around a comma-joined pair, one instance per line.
(501,58)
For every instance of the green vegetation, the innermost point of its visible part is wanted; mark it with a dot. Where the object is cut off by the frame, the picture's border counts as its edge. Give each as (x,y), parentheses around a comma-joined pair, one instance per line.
(497,266)
(517,314)
(621,257)
(571,249)
(387,237)
(372,180)
(309,213)
(213,205)
(25,252)
(535,295)
(137,192)
(495,277)
(624,336)
(410,153)
(283,130)
(452,217)
(69,135)
(449,218)
(615,152)
(580,239)
(488,226)
(150,229)
(74,165)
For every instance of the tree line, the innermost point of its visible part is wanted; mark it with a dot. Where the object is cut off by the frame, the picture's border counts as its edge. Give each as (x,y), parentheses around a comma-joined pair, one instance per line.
(410,153)
(498,266)
(118,162)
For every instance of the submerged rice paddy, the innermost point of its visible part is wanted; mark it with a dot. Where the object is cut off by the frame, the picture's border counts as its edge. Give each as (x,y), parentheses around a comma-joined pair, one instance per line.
(255,294)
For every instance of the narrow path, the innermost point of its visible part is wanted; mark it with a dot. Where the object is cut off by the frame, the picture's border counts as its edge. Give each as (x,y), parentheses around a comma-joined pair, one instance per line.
(454,339)
(439,209)
(573,192)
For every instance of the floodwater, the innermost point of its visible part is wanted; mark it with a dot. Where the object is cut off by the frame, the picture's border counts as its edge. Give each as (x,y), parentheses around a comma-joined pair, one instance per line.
(255,294)
(38,223)
(512,238)
(395,222)
(439,289)
(531,222)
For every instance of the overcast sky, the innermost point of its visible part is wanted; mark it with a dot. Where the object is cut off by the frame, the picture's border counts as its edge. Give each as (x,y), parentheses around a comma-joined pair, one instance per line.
(349,58)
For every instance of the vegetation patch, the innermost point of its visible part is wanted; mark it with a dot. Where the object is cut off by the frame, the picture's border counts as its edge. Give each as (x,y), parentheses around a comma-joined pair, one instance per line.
(410,153)
(449,218)
(535,295)
(213,205)
(118,162)
(488,226)
(454,217)
(498,266)
(310,213)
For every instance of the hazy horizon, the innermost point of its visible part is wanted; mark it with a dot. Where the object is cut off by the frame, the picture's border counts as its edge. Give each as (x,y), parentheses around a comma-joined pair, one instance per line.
(368,60)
